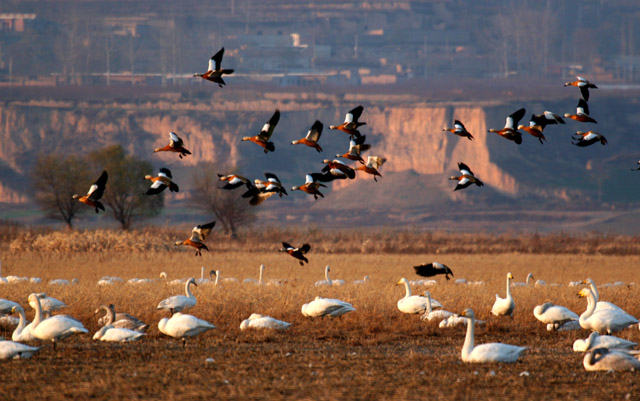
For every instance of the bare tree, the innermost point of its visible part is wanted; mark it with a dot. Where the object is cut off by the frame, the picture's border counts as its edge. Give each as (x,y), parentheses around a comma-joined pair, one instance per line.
(55,178)
(231,210)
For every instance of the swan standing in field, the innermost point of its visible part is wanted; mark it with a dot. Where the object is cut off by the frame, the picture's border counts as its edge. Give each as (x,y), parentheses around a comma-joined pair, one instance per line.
(504,306)
(430,314)
(605,320)
(555,315)
(55,328)
(326,307)
(120,320)
(178,303)
(21,333)
(13,350)
(181,326)
(115,334)
(595,340)
(414,303)
(257,321)
(600,305)
(328,281)
(490,352)
(610,360)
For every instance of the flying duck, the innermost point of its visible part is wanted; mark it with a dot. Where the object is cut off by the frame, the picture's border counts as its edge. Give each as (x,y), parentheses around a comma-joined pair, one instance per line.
(198,234)
(297,253)
(92,198)
(310,186)
(583,85)
(582,113)
(587,138)
(162,181)
(466,177)
(262,190)
(336,166)
(263,137)
(175,145)
(372,166)
(312,137)
(432,269)
(356,146)
(535,127)
(351,123)
(214,72)
(234,181)
(460,130)
(509,131)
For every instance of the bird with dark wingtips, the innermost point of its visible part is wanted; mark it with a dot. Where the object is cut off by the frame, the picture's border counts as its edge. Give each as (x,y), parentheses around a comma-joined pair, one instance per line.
(175,145)
(509,131)
(310,186)
(433,269)
(535,127)
(162,181)
(587,138)
(297,253)
(312,137)
(263,137)
(262,190)
(583,85)
(356,147)
(460,130)
(198,234)
(465,178)
(215,72)
(234,181)
(351,123)
(92,198)
(582,113)
(336,166)
(373,165)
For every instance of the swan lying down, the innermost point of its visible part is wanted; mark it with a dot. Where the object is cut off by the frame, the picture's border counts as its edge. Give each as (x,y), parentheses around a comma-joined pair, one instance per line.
(490,352)
(257,321)
(610,359)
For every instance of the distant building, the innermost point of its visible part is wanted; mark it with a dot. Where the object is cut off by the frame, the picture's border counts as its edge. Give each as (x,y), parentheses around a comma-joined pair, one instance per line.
(14,22)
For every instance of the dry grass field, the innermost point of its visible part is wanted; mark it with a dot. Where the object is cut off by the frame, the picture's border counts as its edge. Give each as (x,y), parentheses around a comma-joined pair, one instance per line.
(375,352)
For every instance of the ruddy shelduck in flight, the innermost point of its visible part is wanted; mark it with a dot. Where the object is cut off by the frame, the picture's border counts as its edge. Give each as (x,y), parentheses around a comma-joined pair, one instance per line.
(509,131)
(92,198)
(215,72)
(312,137)
(263,137)
(465,178)
(198,234)
(162,181)
(175,145)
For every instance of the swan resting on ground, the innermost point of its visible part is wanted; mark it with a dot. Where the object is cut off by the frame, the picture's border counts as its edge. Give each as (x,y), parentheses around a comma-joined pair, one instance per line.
(504,306)
(120,320)
(605,320)
(14,350)
(22,332)
(116,334)
(610,360)
(414,303)
(595,340)
(54,328)
(257,321)
(326,307)
(555,315)
(182,326)
(178,303)
(431,314)
(490,352)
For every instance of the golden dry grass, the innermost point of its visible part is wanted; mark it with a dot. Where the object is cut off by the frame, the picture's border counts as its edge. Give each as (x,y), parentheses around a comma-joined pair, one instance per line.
(373,353)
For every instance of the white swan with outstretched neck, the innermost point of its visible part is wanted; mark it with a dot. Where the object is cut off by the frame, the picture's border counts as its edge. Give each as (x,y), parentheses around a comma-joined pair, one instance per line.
(327,279)
(54,328)
(504,306)
(21,333)
(605,320)
(490,352)
(178,303)
(414,303)
(181,326)
(595,340)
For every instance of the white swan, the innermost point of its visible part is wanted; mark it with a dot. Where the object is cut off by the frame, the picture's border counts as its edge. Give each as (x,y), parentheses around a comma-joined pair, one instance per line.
(181,326)
(226,279)
(109,280)
(6,306)
(48,304)
(328,281)
(326,307)
(456,320)
(555,315)
(120,320)
(603,321)
(178,303)
(203,279)
(61,281)
(55,328)
(13,350)
(260,280)
(610,360)
(21,333)
(504,306)
(600,305)
(595,340)
(257,321)
(438,314)
(490,352)
(414,303)
(115,334)
(365,280)
(527,282)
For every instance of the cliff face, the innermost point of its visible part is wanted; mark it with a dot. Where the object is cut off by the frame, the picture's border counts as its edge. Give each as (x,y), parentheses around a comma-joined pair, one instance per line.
(409,134)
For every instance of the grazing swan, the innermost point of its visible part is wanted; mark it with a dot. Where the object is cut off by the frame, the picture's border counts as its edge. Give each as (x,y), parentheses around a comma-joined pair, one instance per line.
(603,321)
(414,303)
(13,350)
(430,314)
(48,304)
(490,352)
(326,307)
(178,303)
(21,333)
(600,305)
(257,321)
(504,306)
(55,328)
(116,334)
(253,281)
(526,283)
(595,340)
(610,360)
(328,281)
(182,326)
(120,320)
(554,314)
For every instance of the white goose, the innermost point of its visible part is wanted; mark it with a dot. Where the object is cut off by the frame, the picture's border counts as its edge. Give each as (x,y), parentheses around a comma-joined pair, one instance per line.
(430,314)
(504,306)
(490,352)
(555,315)
(257,321)
(328,281)
(13,350)
(603,321)
(181,326)
(600,305)
(115,334)
(326,307)
(55,328)
(178,303)
(595,340)
(414,303)
(21,333)
(610,360)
